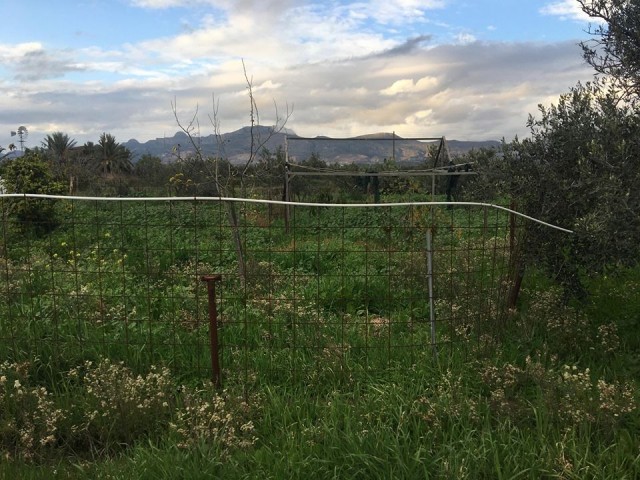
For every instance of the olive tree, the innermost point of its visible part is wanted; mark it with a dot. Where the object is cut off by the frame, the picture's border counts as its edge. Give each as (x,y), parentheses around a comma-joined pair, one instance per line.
(614,47)
(579,170)
(580,167)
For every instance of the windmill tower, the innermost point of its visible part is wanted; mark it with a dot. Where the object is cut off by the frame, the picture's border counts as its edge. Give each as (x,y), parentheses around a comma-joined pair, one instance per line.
(22,133)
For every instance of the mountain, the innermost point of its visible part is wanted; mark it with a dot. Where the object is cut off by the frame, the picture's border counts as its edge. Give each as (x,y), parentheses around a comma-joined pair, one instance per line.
(363,149)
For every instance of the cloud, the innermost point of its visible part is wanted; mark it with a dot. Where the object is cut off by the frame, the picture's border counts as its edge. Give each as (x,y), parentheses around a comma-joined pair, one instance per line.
(398,12)
(481,90)
(10,52)
(37,64)
(345,74)
(409,86)
(465,38)
(407,46)
(565,9)
(474,91)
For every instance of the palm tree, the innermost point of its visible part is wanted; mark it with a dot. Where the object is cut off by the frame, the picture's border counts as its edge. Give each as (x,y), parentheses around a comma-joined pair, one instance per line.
(113,158)
(58,145)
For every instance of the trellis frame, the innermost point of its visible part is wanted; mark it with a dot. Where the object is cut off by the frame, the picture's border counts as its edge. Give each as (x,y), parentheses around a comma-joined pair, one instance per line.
(433,172)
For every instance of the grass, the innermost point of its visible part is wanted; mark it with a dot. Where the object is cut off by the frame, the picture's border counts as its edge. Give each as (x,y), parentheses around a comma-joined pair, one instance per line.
(328,367)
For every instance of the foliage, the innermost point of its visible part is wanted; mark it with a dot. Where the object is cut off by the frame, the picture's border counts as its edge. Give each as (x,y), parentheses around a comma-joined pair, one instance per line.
(58,145)
(112,157)
(614,49)
(104,407)
(151,172)
(59,149)
(579,171)
(100,317)
(30,173)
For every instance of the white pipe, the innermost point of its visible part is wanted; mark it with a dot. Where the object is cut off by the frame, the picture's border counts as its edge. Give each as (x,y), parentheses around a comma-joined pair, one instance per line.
(280,202)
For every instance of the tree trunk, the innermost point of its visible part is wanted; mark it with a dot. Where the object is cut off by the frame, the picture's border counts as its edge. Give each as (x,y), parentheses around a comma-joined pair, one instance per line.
(516,284)
(237,241)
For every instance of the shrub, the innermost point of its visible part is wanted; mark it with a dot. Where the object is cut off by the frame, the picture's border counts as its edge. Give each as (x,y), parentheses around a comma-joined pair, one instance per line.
(32,174)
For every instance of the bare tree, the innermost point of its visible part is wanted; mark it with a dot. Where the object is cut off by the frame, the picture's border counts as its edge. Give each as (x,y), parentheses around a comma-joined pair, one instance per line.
(217,169)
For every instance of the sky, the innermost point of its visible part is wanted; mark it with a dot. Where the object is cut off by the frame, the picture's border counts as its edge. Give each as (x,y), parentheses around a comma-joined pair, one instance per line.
(464,69)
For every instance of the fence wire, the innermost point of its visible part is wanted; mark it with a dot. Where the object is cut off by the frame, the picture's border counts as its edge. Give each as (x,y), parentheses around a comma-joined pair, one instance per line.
(337,290)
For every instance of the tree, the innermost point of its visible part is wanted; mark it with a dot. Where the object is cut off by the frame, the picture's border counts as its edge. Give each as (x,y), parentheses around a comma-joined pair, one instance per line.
(578,170)
(113,158)
(151,171)
(31,173)
(11,148)
(614,49)
(217,172)
(58,146)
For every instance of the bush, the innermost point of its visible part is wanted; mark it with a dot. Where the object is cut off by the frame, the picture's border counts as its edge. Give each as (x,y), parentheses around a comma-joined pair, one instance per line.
(32,174)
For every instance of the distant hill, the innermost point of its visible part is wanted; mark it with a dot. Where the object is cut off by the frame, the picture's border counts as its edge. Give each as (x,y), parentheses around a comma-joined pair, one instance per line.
(364,149)
(6,156)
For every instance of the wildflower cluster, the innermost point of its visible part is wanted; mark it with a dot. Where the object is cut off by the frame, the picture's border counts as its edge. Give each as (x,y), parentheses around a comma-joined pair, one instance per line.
(608,338)
(29,419)
(107,407)
(114,396)
(448,400)
(566,328)
(570,395)
(206,416)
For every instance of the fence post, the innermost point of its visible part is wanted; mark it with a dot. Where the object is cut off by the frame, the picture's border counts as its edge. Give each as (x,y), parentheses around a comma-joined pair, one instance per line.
(287,196)
(216,376)
(432,314)
(516,266)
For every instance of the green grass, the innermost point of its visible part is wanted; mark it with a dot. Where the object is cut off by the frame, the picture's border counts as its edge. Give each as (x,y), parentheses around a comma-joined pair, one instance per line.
(326,351)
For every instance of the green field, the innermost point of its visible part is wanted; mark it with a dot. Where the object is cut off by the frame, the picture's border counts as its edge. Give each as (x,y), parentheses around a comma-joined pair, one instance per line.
(329,365)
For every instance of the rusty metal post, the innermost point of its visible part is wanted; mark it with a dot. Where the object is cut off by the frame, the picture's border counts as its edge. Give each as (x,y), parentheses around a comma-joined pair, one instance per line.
(211,280)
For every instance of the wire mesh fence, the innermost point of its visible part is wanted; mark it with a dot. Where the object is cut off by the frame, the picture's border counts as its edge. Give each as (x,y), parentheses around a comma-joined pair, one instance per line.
(335,290)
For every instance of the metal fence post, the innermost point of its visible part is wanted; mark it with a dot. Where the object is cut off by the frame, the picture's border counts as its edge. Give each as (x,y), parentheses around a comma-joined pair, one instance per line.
(432,313)
(211,280)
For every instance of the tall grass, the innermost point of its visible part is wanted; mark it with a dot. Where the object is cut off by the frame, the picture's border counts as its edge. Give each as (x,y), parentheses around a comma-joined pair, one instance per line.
(328,369)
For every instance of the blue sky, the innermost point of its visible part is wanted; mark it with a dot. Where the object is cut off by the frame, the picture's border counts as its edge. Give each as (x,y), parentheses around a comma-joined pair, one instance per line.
(466,69)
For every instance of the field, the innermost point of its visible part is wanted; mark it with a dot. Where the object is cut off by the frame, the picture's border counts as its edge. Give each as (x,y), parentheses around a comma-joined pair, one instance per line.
(357,343)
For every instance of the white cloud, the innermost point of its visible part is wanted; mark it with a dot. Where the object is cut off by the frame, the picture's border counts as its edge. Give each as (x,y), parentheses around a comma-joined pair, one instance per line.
(419,118)
(345,74)
(565,9)
(409,86)
(12,52)
(400,12)
(465,38)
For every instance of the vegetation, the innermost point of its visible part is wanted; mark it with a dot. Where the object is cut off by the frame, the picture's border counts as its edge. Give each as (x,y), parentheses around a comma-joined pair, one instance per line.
(328,365)
(112,157)
(105,340)
(30,174)
(613,48)
(579,168)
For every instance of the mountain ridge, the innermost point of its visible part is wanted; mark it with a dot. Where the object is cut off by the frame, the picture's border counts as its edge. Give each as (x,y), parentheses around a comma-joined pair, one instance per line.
(235,146)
